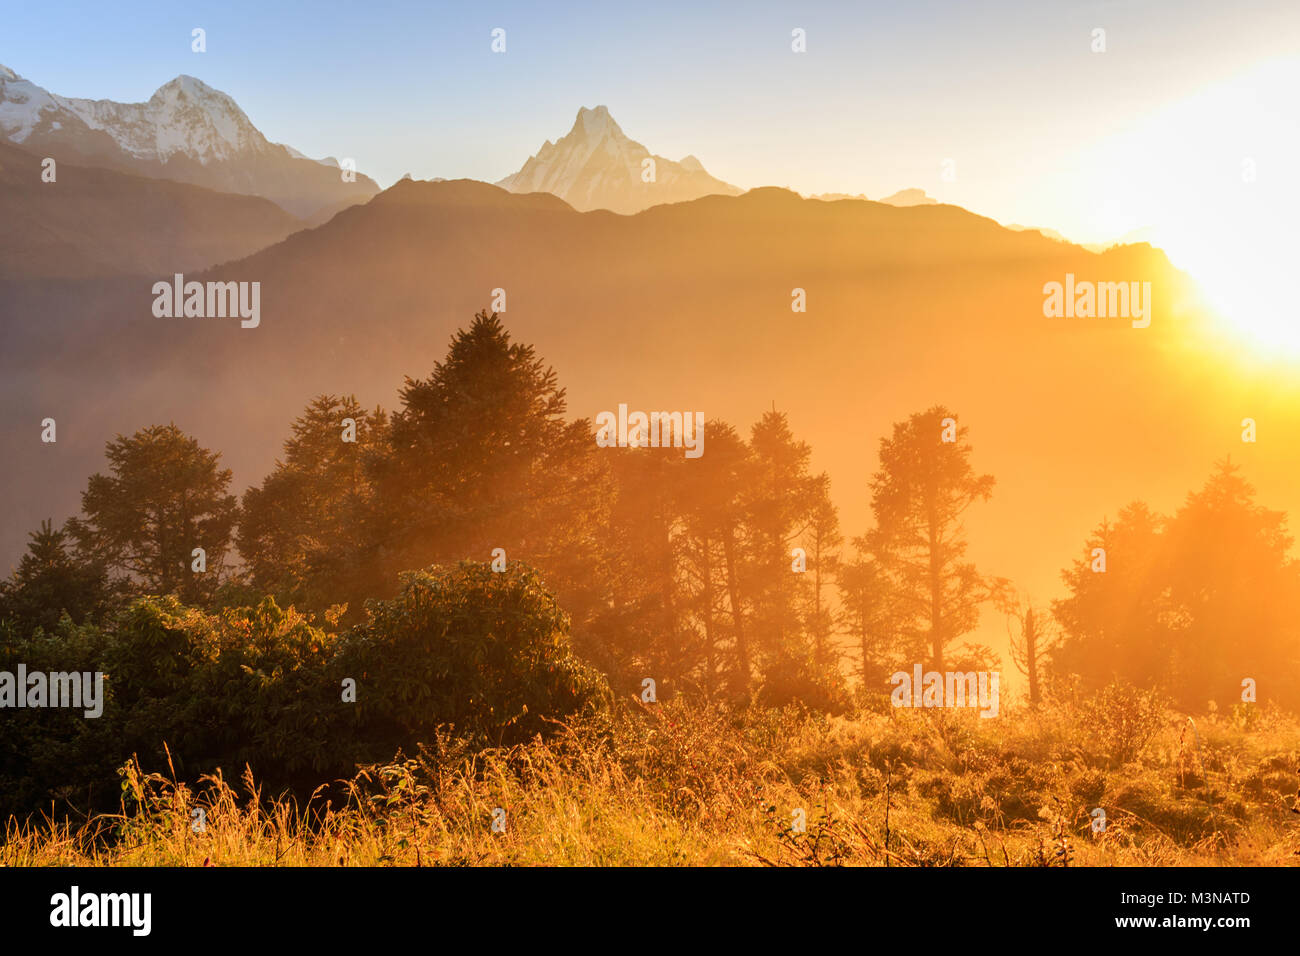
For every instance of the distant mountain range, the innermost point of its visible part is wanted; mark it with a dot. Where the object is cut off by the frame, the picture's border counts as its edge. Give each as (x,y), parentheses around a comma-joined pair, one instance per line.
(596,166)
(1133,237)
(107,213)
(683,305)
(904,197)
(187,132)
(686,305)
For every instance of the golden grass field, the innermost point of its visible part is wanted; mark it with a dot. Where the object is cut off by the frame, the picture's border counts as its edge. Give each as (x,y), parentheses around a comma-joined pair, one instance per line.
(679,783)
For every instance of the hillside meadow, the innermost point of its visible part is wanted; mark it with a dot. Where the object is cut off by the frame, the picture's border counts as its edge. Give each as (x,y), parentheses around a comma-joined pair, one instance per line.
(686,784)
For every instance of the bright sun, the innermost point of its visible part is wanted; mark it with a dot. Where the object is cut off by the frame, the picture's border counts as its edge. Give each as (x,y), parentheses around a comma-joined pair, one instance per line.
(1215,177)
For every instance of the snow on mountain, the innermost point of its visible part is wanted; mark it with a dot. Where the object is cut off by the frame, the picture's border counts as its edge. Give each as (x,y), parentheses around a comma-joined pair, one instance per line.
(22,103)
(184,116)
(596,166)
(186,131)
(327,161)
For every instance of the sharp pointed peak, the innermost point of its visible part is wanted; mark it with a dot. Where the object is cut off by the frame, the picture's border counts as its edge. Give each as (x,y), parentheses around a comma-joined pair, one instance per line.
(595,121)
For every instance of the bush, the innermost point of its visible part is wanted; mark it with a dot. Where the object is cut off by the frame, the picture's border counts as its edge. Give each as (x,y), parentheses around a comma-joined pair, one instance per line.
(1117,722)
(185,690)
(485,652)
(190,691)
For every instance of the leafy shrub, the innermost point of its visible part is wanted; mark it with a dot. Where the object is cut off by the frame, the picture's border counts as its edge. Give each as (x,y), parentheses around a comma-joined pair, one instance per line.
(485,652)
(190,691)
(1118,722)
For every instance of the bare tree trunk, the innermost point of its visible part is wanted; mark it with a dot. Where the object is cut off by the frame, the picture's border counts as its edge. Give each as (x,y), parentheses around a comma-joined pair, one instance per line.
(936,595)
(742,647)
(864,640)
(819,646)
(1031,656)
(709,649)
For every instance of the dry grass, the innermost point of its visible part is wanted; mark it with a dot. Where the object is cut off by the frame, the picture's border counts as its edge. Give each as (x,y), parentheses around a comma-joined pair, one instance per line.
(676,784)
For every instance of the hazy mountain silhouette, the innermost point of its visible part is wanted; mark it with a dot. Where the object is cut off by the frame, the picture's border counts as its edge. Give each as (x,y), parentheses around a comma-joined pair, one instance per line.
(96,222)
(1130,238)
(682,306)
(910,197)
(904,197)
(187,131)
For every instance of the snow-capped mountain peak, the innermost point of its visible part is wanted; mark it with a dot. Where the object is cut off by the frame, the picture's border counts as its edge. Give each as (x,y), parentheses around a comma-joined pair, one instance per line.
(22,104)
(597,123)
(183,116)
(325,161)
(596,166)
(186,131)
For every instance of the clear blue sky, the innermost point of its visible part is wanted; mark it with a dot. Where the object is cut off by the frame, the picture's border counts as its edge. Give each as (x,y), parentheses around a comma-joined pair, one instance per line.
(885,92)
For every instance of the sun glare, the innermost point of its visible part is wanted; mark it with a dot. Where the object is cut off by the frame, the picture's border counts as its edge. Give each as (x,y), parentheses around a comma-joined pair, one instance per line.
(1234,230)
(1196,173)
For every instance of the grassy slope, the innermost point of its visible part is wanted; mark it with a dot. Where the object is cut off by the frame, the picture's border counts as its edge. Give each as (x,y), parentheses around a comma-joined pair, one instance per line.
(676,784)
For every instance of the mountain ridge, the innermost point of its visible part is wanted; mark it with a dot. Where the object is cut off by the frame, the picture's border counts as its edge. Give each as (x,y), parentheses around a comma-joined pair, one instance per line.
(186,131)
(97,222)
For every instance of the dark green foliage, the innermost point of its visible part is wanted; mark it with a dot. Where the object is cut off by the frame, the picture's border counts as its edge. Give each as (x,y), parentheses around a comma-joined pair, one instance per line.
(51,581)
(306,534)
(164,497)
(486,652)
(479,457)
(47,754)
